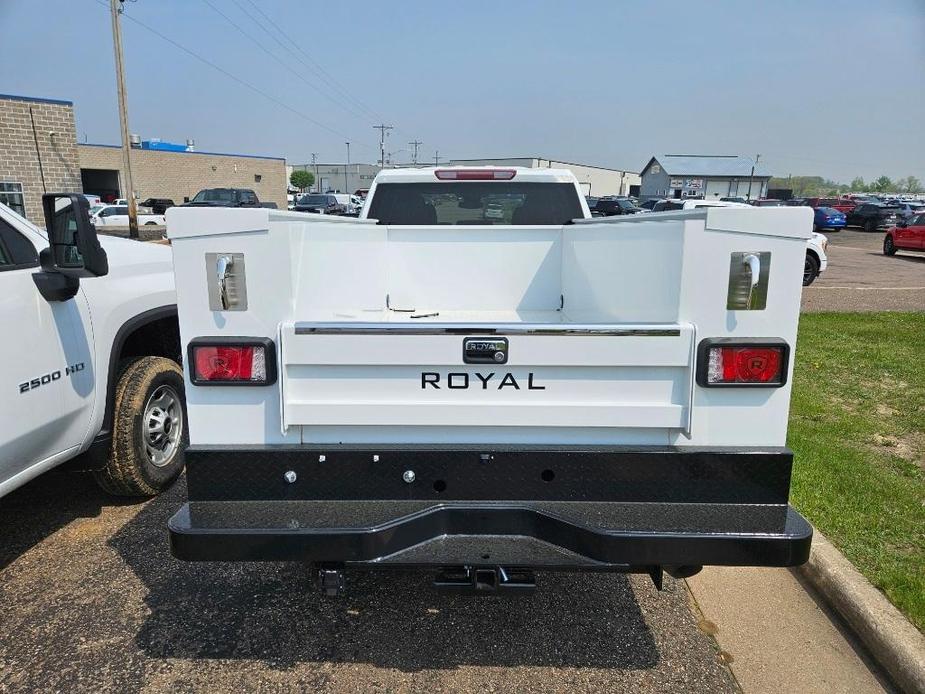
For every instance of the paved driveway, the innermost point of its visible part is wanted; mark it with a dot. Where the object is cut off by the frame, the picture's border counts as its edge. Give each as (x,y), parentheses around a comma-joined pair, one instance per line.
(861,278)
(91,600)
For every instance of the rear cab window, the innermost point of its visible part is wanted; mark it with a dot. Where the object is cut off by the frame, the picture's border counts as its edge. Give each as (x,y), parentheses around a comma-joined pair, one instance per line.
(475,203)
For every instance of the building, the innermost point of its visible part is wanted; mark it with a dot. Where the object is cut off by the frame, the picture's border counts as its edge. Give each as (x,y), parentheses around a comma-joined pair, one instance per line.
(39,153)
(331,176)
(703,176)
(594,180)
(176,175)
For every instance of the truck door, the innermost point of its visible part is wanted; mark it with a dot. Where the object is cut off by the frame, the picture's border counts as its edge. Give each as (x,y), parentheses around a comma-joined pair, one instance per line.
(46,383)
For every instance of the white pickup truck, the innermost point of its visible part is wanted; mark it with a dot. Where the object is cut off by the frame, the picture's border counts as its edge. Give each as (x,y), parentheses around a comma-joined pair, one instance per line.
(90,363)
(117,216)
(487,395)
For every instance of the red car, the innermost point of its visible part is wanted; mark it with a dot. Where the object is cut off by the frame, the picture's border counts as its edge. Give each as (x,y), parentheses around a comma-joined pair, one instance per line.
(905,236)
(841,204)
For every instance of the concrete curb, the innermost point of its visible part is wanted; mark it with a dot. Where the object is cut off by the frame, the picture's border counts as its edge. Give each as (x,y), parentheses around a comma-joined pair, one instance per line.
(892,640)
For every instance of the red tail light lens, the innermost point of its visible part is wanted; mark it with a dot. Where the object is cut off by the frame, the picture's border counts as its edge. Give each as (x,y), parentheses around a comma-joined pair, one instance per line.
(475,174)
(732,362)
(232,363)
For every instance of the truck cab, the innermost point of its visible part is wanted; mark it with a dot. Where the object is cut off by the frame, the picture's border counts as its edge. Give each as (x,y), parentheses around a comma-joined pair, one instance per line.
(90,361)
(479,379)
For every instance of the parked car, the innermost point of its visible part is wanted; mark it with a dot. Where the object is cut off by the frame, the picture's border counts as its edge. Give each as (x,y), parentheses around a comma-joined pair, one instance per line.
(873,215)
(844,205)
(908,210)
(494,210)
(158,205)
(828,218)
(323,203)
(766,202)
(225,197)
(650,203)
(734,198)
(609,207)
(907,235)
(91,365)
(816,259)
(117,216)
(692,204)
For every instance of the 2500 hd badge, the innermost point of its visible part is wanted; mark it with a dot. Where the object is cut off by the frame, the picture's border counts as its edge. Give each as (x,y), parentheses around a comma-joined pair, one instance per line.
(45,379)
(461,380)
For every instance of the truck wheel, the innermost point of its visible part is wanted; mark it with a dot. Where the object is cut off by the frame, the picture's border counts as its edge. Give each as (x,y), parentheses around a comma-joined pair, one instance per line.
(149,429)
(889,248)
(810,270)
(871,226)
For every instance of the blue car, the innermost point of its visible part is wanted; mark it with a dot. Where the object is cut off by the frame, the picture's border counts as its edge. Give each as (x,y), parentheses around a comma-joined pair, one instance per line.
(828,218)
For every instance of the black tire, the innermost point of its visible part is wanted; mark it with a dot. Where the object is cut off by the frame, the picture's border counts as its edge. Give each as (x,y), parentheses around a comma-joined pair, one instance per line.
(150,224)
(870,226)
(133,468)
(810,269)
(889,248)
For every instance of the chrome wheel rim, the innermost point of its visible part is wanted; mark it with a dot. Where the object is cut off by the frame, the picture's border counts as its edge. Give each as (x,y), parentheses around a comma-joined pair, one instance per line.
(163,425)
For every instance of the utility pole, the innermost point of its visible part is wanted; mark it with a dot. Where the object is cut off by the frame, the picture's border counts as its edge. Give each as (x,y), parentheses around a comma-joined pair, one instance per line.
(347,166)
(414,157)
(383,131)
(115,9)
(437,158)
(752,176)
(315,167)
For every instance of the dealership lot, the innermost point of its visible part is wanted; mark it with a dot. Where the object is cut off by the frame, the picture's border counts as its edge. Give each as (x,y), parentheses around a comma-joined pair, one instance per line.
(94,601)
(861,278)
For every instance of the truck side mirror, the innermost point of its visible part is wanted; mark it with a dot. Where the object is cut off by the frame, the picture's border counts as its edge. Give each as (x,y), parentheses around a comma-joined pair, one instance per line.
(73,251)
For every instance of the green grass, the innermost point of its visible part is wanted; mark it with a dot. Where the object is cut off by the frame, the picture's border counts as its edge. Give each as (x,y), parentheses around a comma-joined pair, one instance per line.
(857,428)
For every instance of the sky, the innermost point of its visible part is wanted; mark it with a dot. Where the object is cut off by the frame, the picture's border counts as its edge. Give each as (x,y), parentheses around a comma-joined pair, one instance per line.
(816,87)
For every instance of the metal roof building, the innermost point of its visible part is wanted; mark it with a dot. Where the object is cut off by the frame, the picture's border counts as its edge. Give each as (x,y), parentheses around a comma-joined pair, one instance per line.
(703,176)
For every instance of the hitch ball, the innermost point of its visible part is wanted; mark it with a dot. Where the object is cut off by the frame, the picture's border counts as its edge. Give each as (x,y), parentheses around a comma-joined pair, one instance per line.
(408,476)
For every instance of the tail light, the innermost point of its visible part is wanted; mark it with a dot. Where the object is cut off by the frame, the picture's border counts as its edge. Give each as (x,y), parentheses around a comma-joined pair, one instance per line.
(735,362)
(232,361)
(475,174)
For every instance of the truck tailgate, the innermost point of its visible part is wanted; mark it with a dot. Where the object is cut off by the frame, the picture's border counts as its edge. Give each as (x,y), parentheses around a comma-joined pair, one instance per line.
(415,374)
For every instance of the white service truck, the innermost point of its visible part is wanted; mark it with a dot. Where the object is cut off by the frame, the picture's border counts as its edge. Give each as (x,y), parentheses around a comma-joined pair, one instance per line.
(487,395)
(90,371)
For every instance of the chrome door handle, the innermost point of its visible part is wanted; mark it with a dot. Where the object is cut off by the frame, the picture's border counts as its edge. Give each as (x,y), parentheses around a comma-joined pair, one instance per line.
(222,270)
(754,269)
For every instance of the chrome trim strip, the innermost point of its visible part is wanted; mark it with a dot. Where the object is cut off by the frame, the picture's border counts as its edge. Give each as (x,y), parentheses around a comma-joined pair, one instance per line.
(478,329)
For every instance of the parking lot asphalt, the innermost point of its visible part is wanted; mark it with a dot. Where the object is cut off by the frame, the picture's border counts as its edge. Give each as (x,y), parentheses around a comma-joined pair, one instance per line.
(861,278)
(91,600)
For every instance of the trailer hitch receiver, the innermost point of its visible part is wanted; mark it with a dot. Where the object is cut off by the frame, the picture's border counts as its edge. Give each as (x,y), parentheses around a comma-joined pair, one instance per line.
(482,580)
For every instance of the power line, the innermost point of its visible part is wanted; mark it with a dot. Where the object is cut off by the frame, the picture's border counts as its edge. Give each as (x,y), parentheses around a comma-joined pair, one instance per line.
(250,37)
(232,76)
(315,66)
(318,69)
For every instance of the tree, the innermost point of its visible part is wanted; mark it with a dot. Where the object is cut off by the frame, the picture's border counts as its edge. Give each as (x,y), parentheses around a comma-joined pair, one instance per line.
(883,185)
(858,185)
(302,179)
(909,184)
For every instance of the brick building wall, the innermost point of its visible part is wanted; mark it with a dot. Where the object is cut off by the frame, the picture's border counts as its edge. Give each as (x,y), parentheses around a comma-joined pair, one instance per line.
(42,158)
(175,175)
